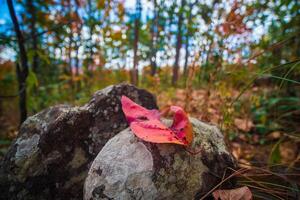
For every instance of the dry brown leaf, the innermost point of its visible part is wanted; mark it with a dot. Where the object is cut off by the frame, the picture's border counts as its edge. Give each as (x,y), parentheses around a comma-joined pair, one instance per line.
(242,193)
(243,124)
(236,150)
(244,164)
(288,151)
(274,135)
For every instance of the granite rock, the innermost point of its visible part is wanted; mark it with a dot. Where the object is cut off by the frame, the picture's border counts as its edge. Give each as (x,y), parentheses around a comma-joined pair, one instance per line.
(51,156)
(128,168)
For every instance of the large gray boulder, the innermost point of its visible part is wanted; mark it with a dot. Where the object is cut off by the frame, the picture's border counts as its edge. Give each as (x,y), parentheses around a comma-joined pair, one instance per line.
(52,154)
(128,168)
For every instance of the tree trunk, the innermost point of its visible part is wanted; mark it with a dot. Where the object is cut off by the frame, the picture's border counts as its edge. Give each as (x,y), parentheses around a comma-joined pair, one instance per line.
(189,23)
(70,54)
(76,59)
(77,45)
(134,78)
(178,44)
(91,60)
(77,42)
(185,68)
(22,71)
(154,37)
(70,67)
(22,93)
(33,33)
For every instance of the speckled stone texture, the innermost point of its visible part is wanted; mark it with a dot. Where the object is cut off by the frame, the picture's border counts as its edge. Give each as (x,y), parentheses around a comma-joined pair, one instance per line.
(127,168)
(52,154)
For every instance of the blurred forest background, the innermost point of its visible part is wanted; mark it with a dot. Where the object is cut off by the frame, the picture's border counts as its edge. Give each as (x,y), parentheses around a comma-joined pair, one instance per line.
(232,63)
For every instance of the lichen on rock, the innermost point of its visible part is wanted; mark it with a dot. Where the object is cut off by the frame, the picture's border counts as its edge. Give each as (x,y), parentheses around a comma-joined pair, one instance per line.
(128,168)
(62,147)
(52,154)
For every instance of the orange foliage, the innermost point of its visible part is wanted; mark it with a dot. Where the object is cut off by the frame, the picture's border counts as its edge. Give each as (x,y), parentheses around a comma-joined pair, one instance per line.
(234,22)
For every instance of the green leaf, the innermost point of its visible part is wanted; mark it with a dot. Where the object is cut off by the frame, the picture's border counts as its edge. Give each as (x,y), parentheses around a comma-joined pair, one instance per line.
(44,57)
(5,142)
(275,156)
(31,80)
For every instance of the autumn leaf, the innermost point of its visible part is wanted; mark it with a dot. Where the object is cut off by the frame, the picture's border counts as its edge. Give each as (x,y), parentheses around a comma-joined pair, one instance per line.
(242,193)
(155,131)
(146,124)
(243,124)
(135,112)
(234,22)
(181,124)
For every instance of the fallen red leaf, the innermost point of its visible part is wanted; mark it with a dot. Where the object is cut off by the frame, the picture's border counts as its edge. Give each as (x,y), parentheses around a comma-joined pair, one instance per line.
(146,124)
(242,193)
(181,124)
(135,112)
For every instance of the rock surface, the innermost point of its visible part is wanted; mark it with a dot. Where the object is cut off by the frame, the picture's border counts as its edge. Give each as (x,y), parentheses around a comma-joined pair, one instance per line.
(128,168)
(52,154)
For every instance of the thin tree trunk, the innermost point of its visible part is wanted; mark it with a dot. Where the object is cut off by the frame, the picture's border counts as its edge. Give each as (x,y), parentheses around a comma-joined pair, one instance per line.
(77,61)
(77,43)
(134,78)
(208,52)
(178,44)
(77,81)
(154,37)
(91,60)
(32,11)
(89,46)
(70,67)
(70,54)
(22,93)
(22,71)
(167,29)
(185,69)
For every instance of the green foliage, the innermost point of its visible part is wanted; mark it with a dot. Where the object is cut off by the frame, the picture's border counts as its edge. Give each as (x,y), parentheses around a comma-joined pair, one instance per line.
(274,112)
(275,156)
(97,39)
(248,66)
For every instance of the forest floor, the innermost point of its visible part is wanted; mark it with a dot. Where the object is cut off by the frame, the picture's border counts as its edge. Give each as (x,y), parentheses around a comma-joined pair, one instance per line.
(246,145)
(254,151)
(269,164)
(209,106)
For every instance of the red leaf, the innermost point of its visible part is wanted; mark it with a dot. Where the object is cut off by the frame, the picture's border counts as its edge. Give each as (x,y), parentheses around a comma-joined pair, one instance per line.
(155,131)
(181,124)
(134,112)
(242,193)
(146,124)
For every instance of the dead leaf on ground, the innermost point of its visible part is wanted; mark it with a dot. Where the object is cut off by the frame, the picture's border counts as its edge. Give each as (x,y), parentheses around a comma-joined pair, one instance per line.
(242,193)
(243,124)
(236,150)
(288,151)
(274,135)
(245,164)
